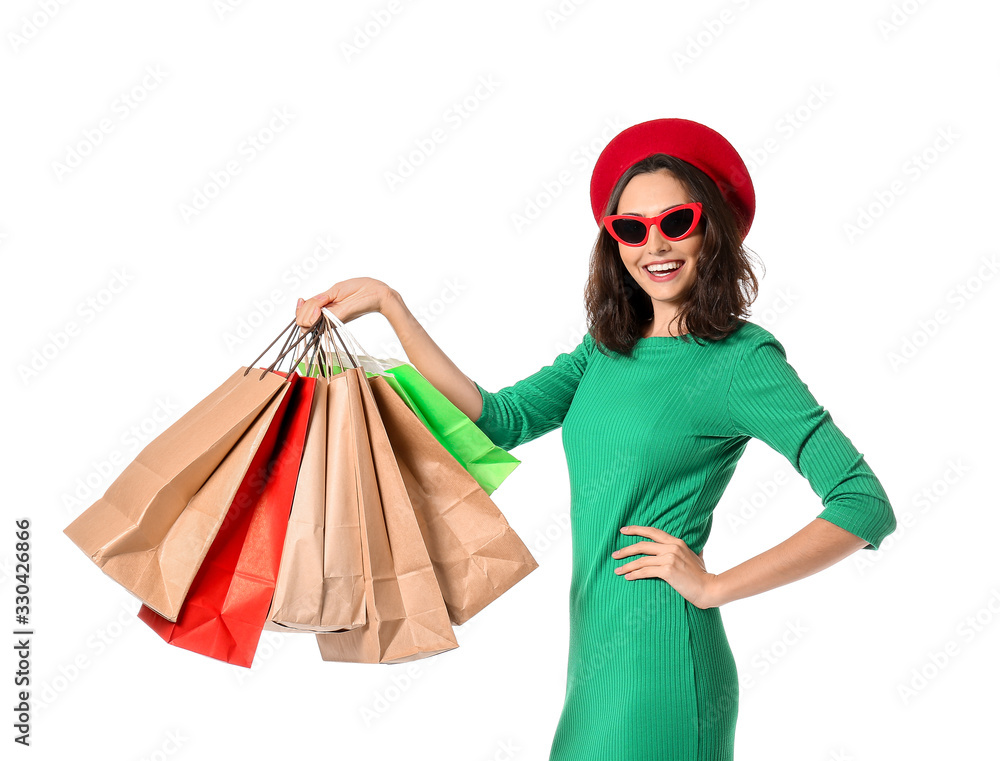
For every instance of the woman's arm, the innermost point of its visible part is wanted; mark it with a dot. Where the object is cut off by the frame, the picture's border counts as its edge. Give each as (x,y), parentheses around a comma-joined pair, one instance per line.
(351,298)
(817,546)
(516,414)
(511,416)
(429,359)
(769,401)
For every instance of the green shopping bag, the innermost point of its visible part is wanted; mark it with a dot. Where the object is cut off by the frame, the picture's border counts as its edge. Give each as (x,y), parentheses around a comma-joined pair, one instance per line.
(454,430)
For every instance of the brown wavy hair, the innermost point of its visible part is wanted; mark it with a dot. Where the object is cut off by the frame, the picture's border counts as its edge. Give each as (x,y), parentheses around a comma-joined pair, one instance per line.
(720,297)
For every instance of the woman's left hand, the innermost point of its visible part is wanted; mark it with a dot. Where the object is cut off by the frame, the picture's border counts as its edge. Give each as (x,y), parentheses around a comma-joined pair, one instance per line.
(670,559)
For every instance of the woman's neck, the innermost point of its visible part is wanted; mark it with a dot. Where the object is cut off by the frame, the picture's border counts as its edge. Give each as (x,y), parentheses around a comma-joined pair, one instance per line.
(649,332)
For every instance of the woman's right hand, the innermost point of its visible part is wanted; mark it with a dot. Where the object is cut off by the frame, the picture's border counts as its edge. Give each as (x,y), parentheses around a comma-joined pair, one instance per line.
(360,295)
(347,299)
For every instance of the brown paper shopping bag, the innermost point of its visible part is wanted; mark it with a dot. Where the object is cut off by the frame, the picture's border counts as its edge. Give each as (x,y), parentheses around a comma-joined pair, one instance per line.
(321,583)
(153,526)
(477,556)
(407,616)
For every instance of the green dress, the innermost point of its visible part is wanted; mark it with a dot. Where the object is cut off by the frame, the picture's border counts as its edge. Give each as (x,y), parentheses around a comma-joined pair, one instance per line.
(652,439)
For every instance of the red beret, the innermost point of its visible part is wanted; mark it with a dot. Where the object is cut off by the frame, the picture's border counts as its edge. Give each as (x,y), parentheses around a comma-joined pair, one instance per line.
(684,139)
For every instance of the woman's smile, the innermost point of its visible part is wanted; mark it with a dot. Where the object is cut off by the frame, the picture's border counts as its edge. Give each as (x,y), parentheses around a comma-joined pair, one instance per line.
(661,272)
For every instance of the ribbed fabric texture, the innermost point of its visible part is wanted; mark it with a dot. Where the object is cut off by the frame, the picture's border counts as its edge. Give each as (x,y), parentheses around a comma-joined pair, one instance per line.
(652,439)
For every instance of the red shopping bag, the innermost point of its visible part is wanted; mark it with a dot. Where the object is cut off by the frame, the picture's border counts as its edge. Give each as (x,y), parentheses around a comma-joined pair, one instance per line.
(227,605)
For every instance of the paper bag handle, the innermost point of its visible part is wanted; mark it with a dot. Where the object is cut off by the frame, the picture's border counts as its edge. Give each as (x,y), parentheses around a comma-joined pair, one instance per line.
(289,347)
(338,327)
(285,348)
(331,345)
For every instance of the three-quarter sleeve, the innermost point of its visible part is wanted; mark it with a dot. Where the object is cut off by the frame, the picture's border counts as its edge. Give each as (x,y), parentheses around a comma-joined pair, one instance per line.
(769,401)
(534,405)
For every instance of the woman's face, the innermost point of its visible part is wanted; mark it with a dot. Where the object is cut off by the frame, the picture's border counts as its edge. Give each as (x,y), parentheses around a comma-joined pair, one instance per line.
(648,195)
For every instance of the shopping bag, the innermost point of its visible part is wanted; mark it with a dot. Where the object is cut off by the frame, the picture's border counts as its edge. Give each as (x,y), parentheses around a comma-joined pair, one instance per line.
(477,556)
(454,430)
(321,583)
(407,616)
(226,607)
(152,528)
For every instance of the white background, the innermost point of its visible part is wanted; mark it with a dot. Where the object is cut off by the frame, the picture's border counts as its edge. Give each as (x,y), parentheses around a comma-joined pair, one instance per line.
(121,312)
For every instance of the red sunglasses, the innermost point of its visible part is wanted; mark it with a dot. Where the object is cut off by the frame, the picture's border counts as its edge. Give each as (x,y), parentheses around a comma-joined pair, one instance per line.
(675,224)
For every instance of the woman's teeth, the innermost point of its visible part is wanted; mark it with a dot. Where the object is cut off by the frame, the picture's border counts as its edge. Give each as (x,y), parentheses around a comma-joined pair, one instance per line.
(663,271)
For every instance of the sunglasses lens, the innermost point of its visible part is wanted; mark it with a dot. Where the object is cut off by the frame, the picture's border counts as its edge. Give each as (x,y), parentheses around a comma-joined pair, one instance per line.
(677,224)
(629,230)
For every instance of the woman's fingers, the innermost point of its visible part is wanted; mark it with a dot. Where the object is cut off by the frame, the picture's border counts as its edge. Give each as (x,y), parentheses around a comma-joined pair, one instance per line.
(300,316)
(308,312)
(353,297)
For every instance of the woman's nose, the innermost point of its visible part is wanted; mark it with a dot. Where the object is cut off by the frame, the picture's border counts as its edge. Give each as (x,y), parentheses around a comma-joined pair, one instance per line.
(656,239)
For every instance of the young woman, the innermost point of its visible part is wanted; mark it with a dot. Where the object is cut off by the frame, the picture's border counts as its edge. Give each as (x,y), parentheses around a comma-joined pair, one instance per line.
(656,405)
